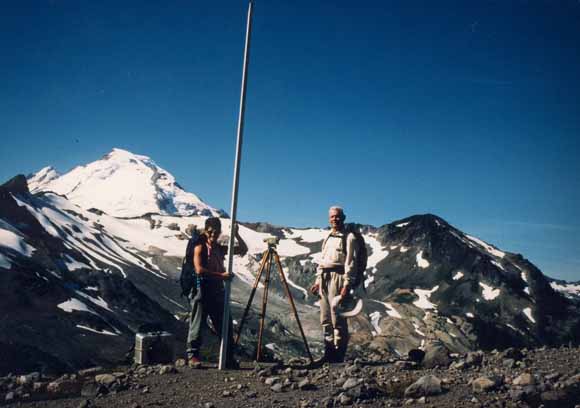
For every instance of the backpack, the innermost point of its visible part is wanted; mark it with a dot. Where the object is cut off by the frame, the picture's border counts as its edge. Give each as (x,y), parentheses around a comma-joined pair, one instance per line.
(360,250)
(188,278)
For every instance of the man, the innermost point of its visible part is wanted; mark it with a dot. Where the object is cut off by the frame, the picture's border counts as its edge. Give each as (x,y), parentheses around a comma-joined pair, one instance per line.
(207,296)
(333,278)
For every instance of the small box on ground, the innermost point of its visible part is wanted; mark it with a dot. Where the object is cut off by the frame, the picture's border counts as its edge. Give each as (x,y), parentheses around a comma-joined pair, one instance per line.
(153,348)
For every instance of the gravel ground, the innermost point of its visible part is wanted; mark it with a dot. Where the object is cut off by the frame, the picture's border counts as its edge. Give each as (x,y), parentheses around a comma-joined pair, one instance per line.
(510,378)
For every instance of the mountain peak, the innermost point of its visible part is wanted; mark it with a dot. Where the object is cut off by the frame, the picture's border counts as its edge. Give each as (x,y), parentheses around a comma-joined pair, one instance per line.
(122,154)
(42,177)
(123,184)
(16,185)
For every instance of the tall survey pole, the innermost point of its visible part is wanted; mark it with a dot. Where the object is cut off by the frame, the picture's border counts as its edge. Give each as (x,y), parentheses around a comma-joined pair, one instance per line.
(226,318)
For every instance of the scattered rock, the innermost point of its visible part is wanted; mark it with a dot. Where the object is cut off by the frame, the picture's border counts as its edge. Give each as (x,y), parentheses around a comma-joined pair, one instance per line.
(512,353)
(524,379)
(474,358)
(405,365)
(436,355)
(61,388)
(271,380)
(344,399)
(180,362)
(484,384)
(105,379)
(509,363)
(85,404)
(424,386)
(92,389)
(167,369)
(278,387)
(306,385)
(90,372)
(28,379)
(351,383)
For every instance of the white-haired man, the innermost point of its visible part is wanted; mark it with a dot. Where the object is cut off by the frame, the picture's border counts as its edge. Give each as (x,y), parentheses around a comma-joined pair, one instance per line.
(333,278)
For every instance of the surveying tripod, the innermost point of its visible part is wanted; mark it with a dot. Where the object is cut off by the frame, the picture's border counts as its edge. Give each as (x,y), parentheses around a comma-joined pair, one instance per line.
(268,259)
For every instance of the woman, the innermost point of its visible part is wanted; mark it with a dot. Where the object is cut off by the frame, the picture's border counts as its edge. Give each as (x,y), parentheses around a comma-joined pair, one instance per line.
(208,296)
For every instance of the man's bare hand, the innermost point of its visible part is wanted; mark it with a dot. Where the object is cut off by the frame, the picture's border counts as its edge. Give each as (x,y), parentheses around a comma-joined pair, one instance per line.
(314,289)
(344,292)
(227,276)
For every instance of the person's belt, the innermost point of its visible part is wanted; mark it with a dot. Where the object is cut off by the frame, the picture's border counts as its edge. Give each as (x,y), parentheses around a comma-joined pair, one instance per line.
(337,269)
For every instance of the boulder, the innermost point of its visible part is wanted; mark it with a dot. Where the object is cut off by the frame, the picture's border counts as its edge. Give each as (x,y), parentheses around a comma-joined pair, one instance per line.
(524,379)
(105,379)
(485,384)
(436,355)
(474,358)
(424,386)
(61,388)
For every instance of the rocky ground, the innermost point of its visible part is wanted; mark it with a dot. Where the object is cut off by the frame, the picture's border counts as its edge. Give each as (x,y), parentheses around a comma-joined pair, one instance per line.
(548,377)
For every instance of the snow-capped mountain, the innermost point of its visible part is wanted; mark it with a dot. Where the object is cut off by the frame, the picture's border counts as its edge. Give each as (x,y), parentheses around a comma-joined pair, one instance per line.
(91,277)
(122,184)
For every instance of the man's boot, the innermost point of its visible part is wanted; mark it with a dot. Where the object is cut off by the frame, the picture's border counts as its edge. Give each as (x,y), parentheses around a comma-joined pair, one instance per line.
(329,352)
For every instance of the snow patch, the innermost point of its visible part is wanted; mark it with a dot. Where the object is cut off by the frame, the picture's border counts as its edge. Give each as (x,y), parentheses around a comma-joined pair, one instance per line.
(489,248)
(390,309)
(422,262)
(469,314)
(368,281)
(97,301)
(289,247)
(9,239)
(403,249)
(570,289)
(424,295)
(105,332)
(401,225)
(458,275)
(72,305)
(528,312)
(489,293)
(378,252)
(416,326)
(375,319)
(73,265)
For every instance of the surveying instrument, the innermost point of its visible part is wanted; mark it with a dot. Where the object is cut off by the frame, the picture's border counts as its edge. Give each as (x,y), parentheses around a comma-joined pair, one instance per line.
(270,258)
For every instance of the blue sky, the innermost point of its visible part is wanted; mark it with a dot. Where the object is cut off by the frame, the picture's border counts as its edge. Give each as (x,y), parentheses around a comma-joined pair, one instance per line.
(466,109)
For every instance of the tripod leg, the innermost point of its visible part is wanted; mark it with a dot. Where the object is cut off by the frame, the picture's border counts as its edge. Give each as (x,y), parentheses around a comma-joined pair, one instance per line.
(252,293)
(264,304)
(285,284)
